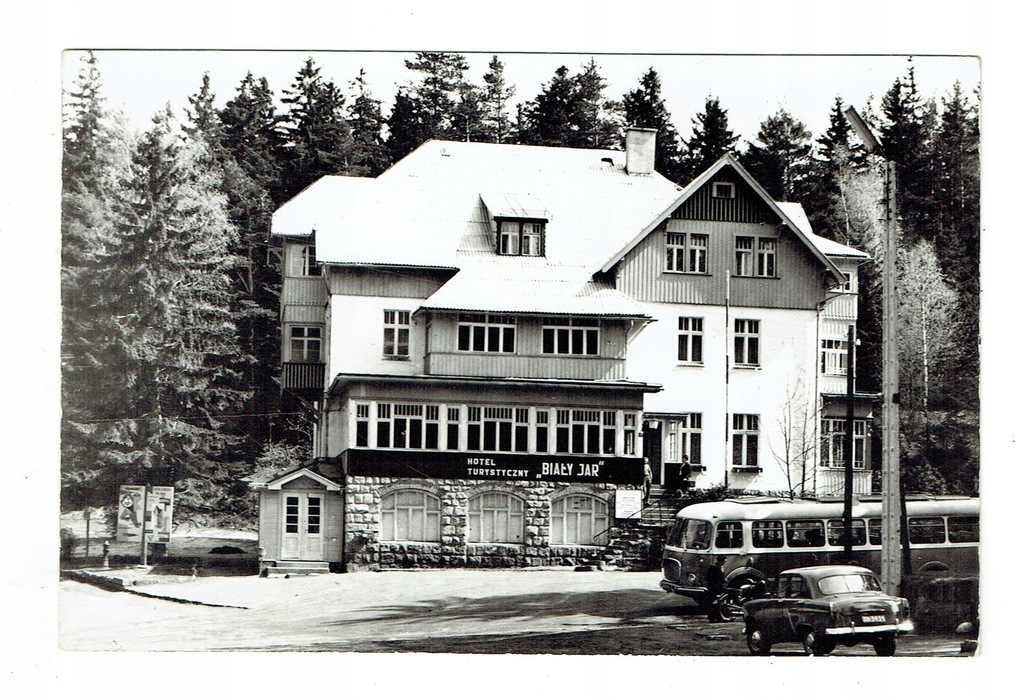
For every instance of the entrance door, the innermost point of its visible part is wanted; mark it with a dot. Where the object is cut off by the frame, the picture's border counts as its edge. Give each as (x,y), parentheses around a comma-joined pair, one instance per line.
(303,538)
(652,450)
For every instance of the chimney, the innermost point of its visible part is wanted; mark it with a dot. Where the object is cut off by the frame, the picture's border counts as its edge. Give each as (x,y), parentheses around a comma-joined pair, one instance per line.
(640,150)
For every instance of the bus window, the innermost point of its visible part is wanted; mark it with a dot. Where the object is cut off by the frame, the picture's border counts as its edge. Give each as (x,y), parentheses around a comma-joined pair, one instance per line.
(803,533)
(963,530)
(875,531)
(835,532)
(696,534)
(927,530)
(675,535)
(729,535)
(767,534)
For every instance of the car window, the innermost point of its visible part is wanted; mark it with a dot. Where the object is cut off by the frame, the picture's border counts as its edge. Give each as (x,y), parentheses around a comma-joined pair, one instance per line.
(782,587)
(729,535)
(766,534)
(804,533)
(849,582)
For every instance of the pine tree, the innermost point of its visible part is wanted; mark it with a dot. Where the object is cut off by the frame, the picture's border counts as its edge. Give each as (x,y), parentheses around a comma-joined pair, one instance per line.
(600,120)
(496,96)
(711,138)
(319,138)
(548,120)
(369,154)
(440,89)
(780,157)
(645,107)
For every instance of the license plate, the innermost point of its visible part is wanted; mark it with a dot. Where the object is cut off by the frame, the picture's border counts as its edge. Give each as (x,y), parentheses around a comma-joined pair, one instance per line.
(872,618)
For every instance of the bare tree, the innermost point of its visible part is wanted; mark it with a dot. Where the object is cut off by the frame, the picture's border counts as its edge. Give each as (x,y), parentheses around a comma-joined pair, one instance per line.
(795,449)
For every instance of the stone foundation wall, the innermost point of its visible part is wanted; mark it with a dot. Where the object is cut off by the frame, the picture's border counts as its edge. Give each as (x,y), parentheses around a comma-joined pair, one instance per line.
(630,543)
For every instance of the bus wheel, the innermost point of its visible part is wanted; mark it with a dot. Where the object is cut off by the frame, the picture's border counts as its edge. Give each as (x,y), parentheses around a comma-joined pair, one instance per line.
(885,645)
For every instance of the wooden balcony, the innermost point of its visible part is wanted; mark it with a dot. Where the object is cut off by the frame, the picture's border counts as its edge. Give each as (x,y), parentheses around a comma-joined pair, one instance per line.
(302,376)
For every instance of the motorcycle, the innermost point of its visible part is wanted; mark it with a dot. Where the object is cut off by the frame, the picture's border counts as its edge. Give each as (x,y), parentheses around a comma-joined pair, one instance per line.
(728,605)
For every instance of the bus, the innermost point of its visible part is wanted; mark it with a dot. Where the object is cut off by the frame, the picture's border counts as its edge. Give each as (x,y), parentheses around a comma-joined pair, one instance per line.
(759,537)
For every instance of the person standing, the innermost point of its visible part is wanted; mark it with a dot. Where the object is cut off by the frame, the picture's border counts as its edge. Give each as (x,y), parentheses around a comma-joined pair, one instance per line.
(648,477)
(715,581)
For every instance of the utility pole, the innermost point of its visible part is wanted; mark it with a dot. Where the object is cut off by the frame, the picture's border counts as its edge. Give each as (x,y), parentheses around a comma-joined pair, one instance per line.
(848,449)
(891,568)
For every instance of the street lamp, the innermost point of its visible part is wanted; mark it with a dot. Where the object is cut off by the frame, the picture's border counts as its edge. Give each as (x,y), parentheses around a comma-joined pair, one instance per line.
(891,511)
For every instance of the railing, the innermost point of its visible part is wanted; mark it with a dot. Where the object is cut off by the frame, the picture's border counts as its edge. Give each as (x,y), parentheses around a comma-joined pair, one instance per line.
(832,481)
(298,375)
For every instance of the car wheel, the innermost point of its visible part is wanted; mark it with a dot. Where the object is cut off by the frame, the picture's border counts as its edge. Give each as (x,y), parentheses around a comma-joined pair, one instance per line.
(885,645)
(757,642)
(814,645)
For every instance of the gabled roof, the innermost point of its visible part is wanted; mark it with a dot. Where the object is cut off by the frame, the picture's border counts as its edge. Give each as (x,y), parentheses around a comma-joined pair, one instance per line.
(727,160)
(305,471)
(431,208)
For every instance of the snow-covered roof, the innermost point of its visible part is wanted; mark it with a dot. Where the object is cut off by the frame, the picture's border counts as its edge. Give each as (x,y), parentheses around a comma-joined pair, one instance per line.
(796,214)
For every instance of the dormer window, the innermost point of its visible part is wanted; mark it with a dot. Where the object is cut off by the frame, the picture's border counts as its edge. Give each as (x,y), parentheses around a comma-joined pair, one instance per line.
(723,190)
(524,238)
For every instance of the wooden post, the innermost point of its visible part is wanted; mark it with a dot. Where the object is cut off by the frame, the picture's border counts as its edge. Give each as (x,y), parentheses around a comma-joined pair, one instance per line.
(892,572)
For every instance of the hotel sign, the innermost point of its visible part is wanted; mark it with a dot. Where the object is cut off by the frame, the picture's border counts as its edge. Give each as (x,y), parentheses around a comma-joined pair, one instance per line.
(506,467)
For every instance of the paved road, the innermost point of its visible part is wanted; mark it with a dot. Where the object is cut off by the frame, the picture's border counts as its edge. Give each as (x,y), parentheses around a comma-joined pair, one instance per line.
(435,611)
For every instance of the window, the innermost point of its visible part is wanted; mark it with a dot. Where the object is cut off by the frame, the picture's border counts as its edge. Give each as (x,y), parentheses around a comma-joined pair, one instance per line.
(964,529)
(746,342)
(691,340)
(410,515)
(628,434)
(362,424)
(407,426)
(729,535)
(834,356)
(496,518)
(579,336)
(454,414)
(744,256)
(521,238)
(927,530)
(584,431)
(303,262)
(493,428)
(542,430)
(833,448)
(484,332)
(683,438)
(687,252)
(579,519)
(805,533)
(304,343)
(766,257)
(766,534)
(850,286)
(746,245)
(723,190)
(396,334)
(744,440)
(835,532)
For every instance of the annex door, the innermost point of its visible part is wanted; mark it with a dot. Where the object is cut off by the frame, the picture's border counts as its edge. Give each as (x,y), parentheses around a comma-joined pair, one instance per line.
(303,538)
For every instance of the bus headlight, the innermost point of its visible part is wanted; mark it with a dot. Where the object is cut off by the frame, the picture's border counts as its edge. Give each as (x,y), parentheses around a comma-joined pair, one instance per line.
(691,579)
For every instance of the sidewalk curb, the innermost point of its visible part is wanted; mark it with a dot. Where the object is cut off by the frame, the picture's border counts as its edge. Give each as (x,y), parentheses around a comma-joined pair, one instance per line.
(116,584)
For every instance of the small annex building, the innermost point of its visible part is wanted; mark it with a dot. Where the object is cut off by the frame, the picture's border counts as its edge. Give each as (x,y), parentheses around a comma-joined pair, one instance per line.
(472,328)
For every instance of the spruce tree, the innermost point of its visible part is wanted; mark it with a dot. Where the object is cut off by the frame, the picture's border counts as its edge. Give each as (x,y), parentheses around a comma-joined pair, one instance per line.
(319,137)
(599,119)
(711,138)
(549,119)
(495,99)
(645,107)
(369,154)
(780,157)
(407,126)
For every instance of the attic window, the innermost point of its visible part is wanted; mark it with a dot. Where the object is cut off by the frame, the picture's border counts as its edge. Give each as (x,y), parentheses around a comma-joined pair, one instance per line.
(723,190)
(523,238)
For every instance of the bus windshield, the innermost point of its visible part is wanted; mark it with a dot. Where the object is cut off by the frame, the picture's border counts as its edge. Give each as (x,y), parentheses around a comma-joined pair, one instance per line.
(695,534)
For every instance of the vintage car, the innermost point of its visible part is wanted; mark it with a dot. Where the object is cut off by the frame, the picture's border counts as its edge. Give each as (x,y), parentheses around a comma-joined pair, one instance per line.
(823,606)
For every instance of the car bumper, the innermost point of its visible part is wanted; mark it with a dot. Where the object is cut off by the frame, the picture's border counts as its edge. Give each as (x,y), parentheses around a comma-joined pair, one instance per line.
(904,627)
